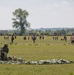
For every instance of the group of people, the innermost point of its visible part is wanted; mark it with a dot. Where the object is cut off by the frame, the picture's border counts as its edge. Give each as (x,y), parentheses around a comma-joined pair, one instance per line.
(55,38)
(33,37)
(41,37)
(5,50)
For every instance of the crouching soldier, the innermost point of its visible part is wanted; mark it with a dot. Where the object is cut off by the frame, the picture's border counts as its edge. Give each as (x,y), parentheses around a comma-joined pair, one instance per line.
(4,52)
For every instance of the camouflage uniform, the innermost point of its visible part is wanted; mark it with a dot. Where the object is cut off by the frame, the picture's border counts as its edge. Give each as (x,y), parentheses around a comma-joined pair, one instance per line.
(4,52)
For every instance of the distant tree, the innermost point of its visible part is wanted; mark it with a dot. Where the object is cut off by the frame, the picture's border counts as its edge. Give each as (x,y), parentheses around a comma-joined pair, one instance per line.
(19,20)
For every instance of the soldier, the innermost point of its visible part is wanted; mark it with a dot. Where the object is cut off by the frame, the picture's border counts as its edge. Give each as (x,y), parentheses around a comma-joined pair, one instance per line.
(43,37)
(34,38)
(40,37)
(24,38)
(12,38)
(65,38)
(4,52)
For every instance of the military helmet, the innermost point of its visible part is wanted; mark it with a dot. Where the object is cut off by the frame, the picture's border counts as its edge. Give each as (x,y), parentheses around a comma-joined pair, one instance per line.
(6,45)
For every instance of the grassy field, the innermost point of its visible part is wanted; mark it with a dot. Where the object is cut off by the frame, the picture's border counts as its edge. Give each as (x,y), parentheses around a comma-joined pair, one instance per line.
(41,50)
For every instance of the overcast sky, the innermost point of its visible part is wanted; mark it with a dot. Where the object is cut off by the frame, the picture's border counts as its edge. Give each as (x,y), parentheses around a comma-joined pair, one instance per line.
(42,13)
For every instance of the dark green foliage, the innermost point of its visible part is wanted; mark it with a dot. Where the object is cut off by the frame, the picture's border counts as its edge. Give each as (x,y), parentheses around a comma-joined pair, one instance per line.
(19,20)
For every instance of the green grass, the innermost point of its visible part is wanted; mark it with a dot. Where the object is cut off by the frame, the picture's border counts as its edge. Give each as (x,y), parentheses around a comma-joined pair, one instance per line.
(42,49)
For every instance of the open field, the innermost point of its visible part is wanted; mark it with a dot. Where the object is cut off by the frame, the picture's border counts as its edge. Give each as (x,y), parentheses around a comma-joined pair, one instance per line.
(41,50)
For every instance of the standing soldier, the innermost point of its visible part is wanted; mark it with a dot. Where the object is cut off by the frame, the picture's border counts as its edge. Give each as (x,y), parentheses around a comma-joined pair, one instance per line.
(65,38)
(34,38)
(12,39)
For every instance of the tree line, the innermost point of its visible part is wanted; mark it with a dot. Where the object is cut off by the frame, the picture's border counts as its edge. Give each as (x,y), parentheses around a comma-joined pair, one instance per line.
(44,31)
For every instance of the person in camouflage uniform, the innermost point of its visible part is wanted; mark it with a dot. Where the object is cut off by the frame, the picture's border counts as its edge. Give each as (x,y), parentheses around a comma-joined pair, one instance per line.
(4,52)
